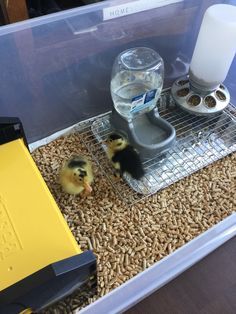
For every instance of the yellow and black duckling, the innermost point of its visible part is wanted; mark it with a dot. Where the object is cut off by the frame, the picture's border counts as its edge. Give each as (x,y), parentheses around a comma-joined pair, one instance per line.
(124,157)
(76,176)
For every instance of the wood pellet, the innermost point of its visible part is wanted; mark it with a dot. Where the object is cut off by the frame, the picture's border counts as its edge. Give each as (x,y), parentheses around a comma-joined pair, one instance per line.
(127,240)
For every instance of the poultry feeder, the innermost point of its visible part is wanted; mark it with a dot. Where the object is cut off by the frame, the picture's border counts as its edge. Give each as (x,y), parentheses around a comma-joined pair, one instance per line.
(202,91)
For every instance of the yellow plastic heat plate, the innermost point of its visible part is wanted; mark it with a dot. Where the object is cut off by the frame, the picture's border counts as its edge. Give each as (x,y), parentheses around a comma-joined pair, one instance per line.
(33,232)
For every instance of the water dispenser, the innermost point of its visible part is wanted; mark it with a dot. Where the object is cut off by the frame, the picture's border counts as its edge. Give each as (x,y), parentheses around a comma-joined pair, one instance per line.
(136,85)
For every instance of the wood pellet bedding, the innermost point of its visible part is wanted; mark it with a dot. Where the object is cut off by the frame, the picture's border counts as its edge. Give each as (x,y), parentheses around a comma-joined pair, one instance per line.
(127,240)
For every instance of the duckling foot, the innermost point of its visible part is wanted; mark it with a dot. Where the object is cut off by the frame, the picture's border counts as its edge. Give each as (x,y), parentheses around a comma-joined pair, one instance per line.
(117,176)
(85,193)
(87,190)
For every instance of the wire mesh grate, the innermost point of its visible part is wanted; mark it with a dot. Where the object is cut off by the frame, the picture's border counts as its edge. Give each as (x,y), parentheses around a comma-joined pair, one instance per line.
(200,142)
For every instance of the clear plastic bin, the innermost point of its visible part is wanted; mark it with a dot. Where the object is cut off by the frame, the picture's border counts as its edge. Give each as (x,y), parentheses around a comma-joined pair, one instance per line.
(55,71)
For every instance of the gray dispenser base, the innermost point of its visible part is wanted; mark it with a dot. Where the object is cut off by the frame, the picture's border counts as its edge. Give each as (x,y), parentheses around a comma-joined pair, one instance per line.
(148,133)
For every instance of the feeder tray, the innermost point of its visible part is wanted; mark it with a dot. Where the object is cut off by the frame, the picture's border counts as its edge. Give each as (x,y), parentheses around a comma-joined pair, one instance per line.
(148,133)
(195,101)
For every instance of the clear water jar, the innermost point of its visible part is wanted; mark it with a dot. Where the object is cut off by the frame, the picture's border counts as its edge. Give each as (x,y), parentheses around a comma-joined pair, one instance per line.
(136,82)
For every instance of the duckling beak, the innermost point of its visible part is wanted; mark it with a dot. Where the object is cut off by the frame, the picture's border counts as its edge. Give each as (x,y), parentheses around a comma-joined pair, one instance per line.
(87,188)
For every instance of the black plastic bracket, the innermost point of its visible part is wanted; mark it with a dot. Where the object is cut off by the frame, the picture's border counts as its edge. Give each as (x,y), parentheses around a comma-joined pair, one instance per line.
(11,128)
(50,284)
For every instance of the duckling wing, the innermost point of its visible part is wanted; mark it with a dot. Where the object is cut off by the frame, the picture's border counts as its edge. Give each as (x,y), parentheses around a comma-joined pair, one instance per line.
(129,162)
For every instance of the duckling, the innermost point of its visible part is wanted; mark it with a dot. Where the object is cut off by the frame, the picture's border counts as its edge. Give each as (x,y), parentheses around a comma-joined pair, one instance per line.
(76,176)
(124,157)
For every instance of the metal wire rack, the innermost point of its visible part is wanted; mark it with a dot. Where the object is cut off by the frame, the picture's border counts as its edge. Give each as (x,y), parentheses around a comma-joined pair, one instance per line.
(200,141)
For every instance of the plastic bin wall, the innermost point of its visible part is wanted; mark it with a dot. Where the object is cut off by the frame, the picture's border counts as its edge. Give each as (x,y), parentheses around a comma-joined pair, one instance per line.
(55,70)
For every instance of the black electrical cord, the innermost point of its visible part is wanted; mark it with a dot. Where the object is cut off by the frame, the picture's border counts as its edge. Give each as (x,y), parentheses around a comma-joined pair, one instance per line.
(42,7)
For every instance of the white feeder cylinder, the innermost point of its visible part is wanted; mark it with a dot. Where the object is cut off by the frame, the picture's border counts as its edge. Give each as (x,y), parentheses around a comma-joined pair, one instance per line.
(215,47)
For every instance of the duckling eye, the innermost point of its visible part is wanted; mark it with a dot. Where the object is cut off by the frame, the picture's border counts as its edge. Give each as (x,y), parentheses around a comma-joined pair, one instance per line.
(118,144)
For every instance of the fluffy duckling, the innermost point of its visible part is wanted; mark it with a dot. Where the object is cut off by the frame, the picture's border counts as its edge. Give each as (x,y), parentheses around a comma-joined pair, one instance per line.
(76,176)
(124,157)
